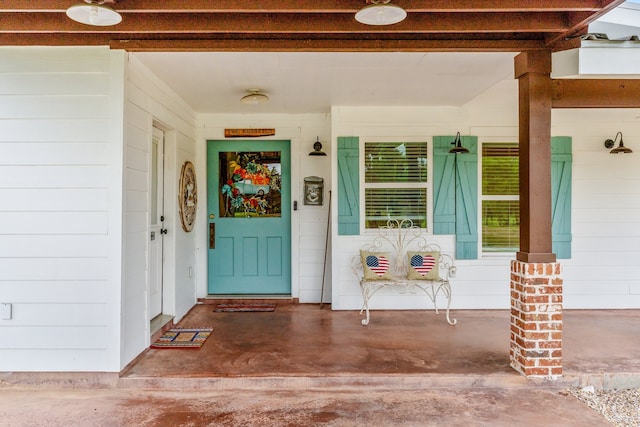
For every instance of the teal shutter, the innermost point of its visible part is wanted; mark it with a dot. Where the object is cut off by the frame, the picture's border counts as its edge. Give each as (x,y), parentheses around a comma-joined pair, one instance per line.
(444,215)
(348,186)
(561,159)
(467,200)
(460,193)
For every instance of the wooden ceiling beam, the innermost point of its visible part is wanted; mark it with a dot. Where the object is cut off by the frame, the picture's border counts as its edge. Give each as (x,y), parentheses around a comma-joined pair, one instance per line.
(323,45)
(52,39)
(457,22)
(154,23)
(271,44)
(595,93)
(324,6)
(579,21)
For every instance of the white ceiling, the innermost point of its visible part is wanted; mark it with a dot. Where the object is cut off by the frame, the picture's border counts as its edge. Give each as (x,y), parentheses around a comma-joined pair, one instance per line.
(298,82)
(214,82)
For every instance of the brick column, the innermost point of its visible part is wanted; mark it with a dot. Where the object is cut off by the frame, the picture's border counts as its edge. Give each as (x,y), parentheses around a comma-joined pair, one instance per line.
(536,319)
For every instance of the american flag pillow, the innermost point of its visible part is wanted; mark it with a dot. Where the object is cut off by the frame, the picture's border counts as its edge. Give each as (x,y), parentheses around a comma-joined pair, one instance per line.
(376,265)
(423,265)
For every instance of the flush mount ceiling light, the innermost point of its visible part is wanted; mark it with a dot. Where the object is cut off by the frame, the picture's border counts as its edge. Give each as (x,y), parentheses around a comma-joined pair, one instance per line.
(94,13)
(255,96)
(381,12)
(609,143)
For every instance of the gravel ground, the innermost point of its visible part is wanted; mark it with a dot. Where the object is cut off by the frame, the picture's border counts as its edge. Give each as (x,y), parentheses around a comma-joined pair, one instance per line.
(620,407)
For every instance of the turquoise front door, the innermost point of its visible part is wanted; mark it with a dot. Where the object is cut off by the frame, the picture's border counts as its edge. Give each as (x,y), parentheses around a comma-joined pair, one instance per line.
(249,199)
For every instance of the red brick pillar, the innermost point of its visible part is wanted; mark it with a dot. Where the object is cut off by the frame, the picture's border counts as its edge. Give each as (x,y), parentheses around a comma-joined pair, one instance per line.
(536,319)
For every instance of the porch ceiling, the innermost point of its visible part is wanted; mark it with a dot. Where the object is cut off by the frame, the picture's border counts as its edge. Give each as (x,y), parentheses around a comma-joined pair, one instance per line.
(308,56)
(292,25)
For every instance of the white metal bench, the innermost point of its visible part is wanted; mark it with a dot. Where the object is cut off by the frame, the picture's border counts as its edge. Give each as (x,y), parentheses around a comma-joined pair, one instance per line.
(395,241)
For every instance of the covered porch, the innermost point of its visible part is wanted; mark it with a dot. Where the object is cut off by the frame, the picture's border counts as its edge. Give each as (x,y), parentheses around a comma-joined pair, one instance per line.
(249,345)
(303,344)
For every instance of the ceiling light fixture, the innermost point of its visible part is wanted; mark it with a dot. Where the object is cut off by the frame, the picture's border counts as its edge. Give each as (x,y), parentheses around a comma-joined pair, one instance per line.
(255,96)
(94,13)
(381,12)
(609,143)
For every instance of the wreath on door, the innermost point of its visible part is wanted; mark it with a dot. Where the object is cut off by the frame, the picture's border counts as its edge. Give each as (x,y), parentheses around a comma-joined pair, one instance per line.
(188,196)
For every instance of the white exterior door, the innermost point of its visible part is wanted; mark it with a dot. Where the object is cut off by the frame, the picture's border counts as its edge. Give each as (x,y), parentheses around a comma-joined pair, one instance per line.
(157,230)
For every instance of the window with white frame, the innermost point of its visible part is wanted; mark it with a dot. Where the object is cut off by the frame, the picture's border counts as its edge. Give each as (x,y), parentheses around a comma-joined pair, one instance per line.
(396,182)
(500,197)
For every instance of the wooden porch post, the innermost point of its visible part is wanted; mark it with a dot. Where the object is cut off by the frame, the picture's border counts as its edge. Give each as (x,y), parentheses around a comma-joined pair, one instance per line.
(536,283)
(533,71)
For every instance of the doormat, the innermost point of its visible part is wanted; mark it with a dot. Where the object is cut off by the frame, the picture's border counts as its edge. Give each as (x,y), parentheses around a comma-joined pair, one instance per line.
(232,308)
(183,338)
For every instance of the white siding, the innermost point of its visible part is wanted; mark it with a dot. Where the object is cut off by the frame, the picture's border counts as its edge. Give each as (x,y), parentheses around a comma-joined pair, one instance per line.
(150,101)
(137,139)
(603,271)
(59,208)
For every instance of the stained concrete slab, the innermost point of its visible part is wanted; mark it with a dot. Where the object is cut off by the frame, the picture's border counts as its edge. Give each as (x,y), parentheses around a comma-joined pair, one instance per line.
(600,347)
(361,407)
(303,366)
(301,339)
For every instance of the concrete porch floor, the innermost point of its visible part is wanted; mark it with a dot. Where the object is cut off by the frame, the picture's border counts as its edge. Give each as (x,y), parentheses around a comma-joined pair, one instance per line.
(306,366)
(600,347)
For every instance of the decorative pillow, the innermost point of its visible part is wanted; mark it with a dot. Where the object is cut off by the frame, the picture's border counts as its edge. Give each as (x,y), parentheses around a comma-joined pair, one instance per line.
(376,265)
(423,265)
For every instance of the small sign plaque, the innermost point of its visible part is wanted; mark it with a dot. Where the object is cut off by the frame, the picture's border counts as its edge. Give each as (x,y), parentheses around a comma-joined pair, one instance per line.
(248,133)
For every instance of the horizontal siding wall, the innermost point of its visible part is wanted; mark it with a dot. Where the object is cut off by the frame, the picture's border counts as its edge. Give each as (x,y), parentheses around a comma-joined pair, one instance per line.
(149,101)
(603,271)
(59,256)
(137,163)
(185,255)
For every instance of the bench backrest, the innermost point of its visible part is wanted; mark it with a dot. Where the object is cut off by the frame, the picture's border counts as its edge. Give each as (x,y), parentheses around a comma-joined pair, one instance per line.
(397,238)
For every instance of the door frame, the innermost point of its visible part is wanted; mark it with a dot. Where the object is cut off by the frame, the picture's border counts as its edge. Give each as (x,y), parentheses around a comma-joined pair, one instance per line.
(159,226)
(296,147)
(171,218)
(214,147)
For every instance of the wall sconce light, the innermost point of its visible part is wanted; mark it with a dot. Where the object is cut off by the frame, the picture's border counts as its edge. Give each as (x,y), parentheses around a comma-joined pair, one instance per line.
(317,148)
(381,12)
(609,143)
(457,146)
(94,13)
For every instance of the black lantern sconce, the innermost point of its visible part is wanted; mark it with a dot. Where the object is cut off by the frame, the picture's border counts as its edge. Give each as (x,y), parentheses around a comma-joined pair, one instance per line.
(317,148)
(609,144)
(457,146)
